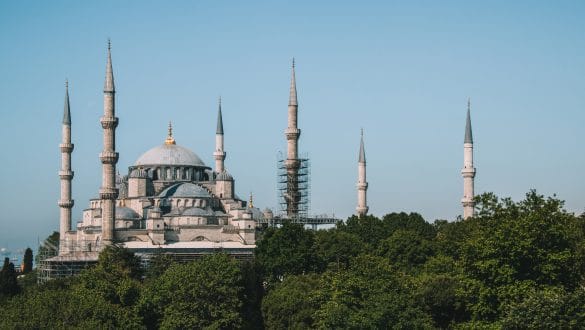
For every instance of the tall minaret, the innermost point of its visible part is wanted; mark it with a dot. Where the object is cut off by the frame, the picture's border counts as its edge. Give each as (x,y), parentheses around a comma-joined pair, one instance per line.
(219,153)
(109,156)
(66,174)
(468,170)
(292,161)
(362,184)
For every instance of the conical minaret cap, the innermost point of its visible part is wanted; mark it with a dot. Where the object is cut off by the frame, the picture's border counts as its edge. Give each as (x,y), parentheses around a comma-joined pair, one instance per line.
(219,129)
(292,100)
(468,134)
(67,109)
(362,156)
(109,83)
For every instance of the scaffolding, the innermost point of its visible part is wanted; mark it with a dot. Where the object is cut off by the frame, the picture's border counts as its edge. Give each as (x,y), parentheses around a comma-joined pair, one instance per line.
(293,186)
(52,265)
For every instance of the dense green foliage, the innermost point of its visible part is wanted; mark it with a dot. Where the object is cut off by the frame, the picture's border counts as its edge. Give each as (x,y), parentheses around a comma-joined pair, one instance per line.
(513,265)
(27,261)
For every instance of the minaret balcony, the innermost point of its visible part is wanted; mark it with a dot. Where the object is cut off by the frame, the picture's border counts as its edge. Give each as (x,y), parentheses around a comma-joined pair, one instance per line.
(66,175)
(362,185)
(66,203)
(109,157)
(468,172)
(66,147)
(109,122)
(292,133)
(108,193)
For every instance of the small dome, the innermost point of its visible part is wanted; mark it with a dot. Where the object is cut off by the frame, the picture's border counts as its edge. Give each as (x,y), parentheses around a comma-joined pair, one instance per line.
(126,213)
(185,189)
(169,154)
(224,176)
(195,211)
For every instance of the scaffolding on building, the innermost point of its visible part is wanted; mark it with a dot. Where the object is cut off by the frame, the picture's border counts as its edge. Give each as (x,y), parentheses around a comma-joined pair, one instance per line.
(293,187)
(51,265)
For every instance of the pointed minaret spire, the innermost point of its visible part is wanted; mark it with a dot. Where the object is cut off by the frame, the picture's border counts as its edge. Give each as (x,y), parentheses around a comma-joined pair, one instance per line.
(468,133)
(109,83)
(362,185)
(362,156)
(468,171)
(109,156)
(219,154)
(292,100)
(219,129)
(65,174)
(67,110)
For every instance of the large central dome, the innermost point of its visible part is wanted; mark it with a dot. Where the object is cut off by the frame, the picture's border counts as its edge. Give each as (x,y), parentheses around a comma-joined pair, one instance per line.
(169,154)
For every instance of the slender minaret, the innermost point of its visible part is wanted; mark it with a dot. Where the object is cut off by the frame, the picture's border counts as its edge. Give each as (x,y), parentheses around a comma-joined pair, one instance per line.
(468,170)
(219,153)
(66,174)
(362,184)
(109,156)
(292,163)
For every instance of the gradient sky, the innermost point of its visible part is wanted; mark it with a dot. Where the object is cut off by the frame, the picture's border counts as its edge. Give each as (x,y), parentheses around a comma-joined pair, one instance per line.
(401,70)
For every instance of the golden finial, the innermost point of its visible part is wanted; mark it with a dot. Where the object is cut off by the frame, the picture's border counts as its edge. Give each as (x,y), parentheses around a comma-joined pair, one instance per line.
(170,139)
(251,204)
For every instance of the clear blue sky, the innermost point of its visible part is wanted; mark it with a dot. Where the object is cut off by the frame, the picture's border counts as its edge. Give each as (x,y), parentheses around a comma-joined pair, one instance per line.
(401,70)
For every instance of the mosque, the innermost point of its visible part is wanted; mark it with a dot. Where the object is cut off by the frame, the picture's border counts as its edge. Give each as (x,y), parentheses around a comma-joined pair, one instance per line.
(172,202)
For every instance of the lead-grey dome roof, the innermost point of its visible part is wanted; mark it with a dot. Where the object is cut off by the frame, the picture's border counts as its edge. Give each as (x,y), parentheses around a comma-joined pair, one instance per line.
(126,213)
(185,189)
(195,211)
(169,154)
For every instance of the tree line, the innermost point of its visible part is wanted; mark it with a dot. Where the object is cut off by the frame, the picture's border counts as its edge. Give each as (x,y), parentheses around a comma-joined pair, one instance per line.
(514,265)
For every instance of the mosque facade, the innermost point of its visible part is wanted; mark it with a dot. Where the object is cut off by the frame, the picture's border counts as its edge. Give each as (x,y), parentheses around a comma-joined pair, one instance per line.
(170,201)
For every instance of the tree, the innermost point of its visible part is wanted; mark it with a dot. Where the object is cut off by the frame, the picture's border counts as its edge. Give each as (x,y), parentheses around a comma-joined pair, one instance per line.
(288,250)
(28,261)
(412,221)
(8,282)
(406,248)
(201,294)
(290,304)
(115,277)
(369,229)
(337,247)
(370,294)
(62,308)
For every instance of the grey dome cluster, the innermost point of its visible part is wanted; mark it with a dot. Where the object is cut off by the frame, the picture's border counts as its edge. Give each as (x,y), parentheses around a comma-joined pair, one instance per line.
(169,154)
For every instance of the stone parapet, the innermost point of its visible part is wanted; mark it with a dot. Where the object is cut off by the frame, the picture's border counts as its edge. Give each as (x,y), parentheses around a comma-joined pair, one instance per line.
(66,147)
(109,122)
(109,157)
(66,203)
(108,193)
(66,175)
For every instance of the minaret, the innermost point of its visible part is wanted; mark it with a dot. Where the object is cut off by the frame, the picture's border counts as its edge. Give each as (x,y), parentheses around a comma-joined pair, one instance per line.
(468,170)
(362,184)
(66,174)
(219,153)
(109,156)
(292,162)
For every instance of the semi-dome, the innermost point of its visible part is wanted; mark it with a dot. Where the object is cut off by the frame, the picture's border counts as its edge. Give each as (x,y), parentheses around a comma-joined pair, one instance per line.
(185,189)
(195,211)
(126,213)
(169,154)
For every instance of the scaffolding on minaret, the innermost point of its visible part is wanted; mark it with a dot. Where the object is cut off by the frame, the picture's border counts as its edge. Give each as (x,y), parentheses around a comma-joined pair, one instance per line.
(294,188)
